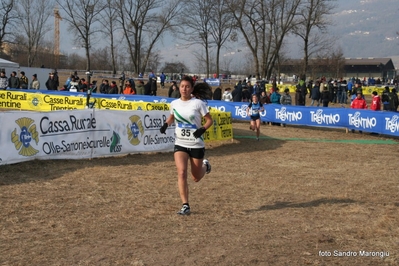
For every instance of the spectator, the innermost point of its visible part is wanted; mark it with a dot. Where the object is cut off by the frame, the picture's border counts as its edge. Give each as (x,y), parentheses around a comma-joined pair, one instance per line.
(375,102)
(129,90)
(13,81)
(325,96)
(73,84)
(393,100)
(75,74)
(358,103)
(51,83)
(217,94)
(246,95)
(171,89)
(147,88)
(93,87)
(152,76)
(264,98)
(344,95)
(227,97)
(162,78)
(104,87)
(3,80)
(385,98)
(35,84)
(140,88)
(113,88)
(83,86)
(154,86)
(250,89)
(133,84)
(237,92)
(286,98)
(300,92)
(275,97)
(175,92)
(315,93)
(67,84)
(23,81)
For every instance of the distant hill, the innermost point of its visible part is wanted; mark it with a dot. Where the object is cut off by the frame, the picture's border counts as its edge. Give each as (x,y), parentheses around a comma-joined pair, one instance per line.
(367,28)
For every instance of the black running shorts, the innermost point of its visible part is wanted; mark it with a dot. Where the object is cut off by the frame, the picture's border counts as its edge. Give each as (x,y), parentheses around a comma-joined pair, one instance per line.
(197,153)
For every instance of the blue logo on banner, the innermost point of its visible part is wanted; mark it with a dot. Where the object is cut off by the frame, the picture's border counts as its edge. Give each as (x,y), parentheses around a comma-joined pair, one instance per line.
(212,82)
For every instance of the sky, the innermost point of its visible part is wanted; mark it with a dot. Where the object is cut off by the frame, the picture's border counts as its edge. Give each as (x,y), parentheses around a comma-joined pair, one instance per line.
(173,52)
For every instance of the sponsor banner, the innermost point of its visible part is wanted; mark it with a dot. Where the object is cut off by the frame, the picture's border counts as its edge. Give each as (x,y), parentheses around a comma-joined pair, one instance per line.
(222,127)
(224,122)
(44,100)
(366,120)
(390,124)
(90,133)
(125,105)
(81,134)
(23,100)
(212,82)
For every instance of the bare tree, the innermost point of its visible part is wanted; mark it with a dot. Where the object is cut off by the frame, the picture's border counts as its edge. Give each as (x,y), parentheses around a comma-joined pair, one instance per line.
(251,24)
(109,26)
(144,22)
(7,17)
(82,16)
(221,27)
(197,27)
(311,28)
(264,26)
(32,17)
(281,17)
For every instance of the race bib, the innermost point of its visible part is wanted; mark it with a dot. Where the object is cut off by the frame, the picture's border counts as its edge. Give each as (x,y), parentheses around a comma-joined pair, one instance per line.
(186,132)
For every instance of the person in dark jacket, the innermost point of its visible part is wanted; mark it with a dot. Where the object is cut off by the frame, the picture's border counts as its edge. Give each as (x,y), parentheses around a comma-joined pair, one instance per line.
(171,89)
(113,88)
(385,99)
(104,87)
(393,100)
(300,93)
(52,82)
(217,94)
(147,88)
(13,81)
(246,95)
(237,92)
(325,96)
(154,86)
(315,93)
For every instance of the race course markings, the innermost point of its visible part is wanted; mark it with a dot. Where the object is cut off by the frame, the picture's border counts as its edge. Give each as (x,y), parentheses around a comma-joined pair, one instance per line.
(353,141)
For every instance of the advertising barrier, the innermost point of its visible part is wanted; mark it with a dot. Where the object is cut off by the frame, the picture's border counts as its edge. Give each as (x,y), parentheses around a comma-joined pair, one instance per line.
(91,133)
(382,122)
(369,121)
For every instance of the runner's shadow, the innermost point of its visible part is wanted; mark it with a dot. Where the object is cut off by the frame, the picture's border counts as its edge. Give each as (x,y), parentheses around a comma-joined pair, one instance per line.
(314,203)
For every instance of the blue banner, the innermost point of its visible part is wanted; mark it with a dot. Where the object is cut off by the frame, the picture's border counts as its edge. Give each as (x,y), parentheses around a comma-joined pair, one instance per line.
(213,82)
(381,122)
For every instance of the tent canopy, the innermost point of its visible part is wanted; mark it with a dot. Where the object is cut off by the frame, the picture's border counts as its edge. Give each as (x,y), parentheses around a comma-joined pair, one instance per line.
(7,64)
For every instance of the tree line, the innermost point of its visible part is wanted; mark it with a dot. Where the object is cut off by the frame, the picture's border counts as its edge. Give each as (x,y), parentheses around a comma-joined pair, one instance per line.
(121,35)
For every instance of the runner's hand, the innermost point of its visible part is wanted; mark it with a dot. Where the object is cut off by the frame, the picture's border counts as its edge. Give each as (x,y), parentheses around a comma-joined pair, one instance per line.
(198,133)
(163,128)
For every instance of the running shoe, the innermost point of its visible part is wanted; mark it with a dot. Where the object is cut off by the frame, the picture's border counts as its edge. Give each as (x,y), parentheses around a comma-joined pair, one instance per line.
(208,166)
(185,210)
